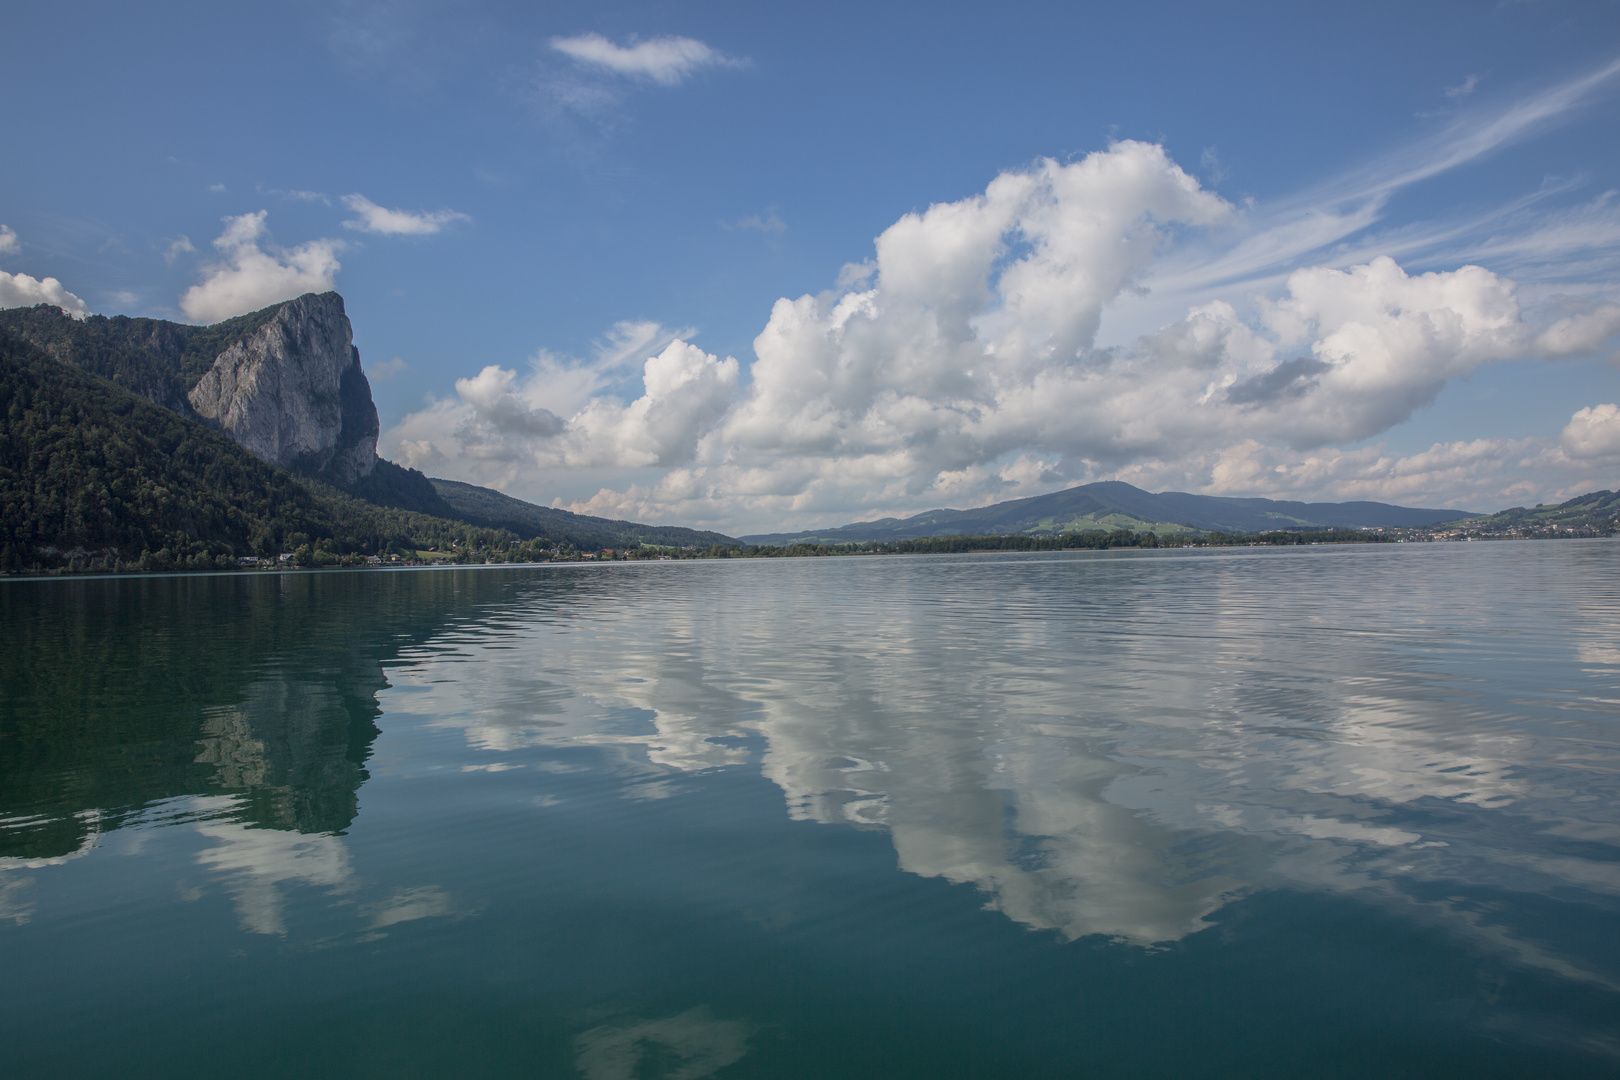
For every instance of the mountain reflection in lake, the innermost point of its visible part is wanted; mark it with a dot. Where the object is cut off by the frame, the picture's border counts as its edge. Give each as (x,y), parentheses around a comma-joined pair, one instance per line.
(1337,811)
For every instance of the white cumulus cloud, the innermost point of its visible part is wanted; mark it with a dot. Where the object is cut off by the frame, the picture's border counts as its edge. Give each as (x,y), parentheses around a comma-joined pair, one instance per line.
(24,290)
(964,363)
(1593,432)
(21,290)
(378,219)
(253,273)
(663,60)
(501,425)
(1382,344)
(1463,89)
(768,223)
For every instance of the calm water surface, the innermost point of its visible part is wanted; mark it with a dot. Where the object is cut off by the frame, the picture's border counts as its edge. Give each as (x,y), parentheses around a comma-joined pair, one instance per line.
(1329,812)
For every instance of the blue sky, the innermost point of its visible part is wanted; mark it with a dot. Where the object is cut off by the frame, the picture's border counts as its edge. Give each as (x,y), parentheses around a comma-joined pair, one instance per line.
(625,258)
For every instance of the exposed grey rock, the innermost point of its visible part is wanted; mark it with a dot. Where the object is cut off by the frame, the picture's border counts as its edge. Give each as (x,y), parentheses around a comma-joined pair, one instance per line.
(294,394)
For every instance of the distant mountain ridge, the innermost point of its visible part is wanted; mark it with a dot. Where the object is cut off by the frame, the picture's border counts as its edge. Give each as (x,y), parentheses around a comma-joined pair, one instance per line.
(495,510)
(1113,504)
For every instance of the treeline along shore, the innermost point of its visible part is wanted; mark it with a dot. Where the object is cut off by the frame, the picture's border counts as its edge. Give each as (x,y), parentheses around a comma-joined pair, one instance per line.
(1090,540)
(480,547)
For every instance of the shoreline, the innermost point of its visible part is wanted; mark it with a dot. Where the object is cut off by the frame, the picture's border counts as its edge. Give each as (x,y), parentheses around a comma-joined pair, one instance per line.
(919,547)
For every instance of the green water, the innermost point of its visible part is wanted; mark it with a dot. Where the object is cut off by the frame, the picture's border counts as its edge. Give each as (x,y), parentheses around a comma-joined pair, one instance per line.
(1327,812)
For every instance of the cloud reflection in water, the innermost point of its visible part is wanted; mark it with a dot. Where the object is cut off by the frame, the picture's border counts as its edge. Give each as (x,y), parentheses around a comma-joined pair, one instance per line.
(1115,746)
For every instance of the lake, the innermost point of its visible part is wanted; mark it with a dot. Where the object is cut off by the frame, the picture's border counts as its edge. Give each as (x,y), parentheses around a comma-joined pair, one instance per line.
(1331,811)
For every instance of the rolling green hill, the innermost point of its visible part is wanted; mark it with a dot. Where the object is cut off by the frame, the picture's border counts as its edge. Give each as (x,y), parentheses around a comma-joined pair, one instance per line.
(1596,513)
(1114,505)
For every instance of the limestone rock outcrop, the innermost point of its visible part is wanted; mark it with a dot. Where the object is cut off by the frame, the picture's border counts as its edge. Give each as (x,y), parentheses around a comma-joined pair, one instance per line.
(294,394)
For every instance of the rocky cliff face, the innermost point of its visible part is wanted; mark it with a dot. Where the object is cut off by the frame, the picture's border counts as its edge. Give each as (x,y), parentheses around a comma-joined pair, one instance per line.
(293,392)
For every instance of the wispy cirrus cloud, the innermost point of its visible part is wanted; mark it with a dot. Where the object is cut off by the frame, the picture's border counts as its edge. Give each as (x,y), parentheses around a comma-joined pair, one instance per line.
(180,245)
(770,223)
(1338,222)
(371,218)
(667,61)
(299,195)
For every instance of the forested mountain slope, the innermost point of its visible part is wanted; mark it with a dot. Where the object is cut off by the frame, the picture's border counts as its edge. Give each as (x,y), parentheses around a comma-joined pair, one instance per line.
(91,473)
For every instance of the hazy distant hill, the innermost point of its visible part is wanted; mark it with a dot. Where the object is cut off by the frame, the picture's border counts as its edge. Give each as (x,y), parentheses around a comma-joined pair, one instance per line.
(490,508)
(1112,504)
